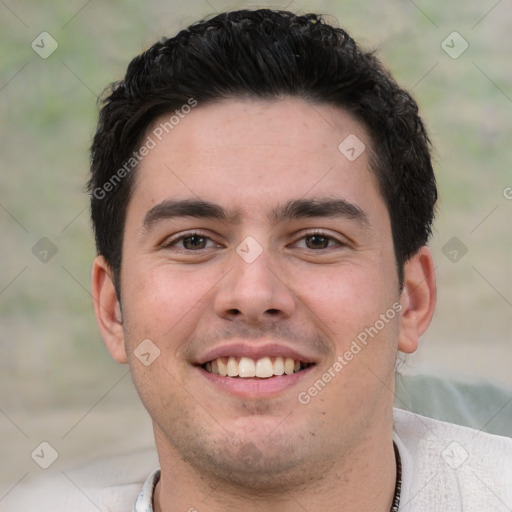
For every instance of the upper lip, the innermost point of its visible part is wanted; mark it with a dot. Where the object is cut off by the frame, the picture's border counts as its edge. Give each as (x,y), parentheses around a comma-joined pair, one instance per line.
(254,351)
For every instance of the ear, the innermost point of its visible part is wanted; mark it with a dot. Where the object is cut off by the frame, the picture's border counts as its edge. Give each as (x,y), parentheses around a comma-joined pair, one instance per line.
(418,299)
(107,309)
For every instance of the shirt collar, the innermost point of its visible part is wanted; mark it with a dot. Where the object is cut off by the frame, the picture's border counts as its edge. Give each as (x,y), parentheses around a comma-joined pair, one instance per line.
(144,502)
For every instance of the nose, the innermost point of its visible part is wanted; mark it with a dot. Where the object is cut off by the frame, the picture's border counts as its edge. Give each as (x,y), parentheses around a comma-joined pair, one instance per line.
(254,292)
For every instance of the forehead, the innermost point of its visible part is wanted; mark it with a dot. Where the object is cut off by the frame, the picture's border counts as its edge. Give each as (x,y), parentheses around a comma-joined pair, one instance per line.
(252,152)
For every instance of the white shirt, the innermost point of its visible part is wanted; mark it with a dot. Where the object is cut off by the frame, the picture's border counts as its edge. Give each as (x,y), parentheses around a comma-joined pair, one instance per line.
(448,468)
(445,468)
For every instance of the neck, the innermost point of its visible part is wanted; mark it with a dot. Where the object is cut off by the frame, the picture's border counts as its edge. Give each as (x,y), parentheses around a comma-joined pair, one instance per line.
(341,481)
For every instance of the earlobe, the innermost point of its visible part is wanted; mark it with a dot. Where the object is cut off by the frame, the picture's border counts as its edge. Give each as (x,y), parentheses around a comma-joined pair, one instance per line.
(418,299)
(107,309)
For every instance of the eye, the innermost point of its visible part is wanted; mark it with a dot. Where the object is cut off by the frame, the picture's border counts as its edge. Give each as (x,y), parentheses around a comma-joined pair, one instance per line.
(194,242)
(191,242)
(317,241)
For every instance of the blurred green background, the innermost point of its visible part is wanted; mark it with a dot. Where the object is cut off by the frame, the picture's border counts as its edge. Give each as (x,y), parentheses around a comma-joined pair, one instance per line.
(57,383)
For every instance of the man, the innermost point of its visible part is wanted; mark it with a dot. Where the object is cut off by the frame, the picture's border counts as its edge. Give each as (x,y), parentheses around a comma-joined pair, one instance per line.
(262,195)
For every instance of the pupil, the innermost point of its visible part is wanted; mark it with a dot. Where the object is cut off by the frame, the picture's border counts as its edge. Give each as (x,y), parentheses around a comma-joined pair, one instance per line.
(316,241)
(194,242)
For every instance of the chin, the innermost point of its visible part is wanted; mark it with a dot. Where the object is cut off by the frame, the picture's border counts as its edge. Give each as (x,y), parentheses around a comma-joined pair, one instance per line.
(256,470)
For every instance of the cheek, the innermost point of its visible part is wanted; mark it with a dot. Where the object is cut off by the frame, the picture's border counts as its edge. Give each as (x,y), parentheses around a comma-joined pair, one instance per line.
(163,303)
(345,299)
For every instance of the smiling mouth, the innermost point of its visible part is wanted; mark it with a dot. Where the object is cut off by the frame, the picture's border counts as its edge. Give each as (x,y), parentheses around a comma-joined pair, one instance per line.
(245,367)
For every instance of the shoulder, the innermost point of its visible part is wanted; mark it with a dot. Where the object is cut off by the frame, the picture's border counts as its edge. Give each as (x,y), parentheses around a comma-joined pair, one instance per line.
(448,466)
(111,485)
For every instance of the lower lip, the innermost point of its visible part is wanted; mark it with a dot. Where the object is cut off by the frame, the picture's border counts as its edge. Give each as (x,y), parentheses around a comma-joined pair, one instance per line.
(255,387)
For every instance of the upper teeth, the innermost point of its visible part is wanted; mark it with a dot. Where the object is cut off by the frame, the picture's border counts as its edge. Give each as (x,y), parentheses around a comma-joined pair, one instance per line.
(246,367)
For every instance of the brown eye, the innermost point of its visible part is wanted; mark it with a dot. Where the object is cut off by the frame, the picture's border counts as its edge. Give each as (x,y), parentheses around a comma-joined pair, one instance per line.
(194,242)
(317,242)
(187,243)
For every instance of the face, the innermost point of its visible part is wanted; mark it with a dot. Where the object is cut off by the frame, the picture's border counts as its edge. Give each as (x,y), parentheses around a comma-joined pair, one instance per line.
(253,245)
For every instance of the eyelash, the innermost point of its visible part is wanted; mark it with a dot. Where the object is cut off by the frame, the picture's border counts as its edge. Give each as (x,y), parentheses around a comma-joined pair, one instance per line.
(172,242)
(322,234)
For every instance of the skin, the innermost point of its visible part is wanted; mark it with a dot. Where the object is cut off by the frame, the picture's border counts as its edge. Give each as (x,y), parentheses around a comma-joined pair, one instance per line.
(316,294)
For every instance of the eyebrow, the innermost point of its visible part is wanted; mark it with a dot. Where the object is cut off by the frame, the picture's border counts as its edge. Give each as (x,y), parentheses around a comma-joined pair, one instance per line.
(169,209)
(294,209)
(311,208)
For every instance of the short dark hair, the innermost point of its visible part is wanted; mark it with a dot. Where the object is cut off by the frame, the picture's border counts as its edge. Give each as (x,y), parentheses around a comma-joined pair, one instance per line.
(263,54)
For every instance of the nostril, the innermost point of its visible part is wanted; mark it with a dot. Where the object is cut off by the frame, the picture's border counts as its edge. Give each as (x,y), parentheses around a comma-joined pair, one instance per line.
(273,311)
